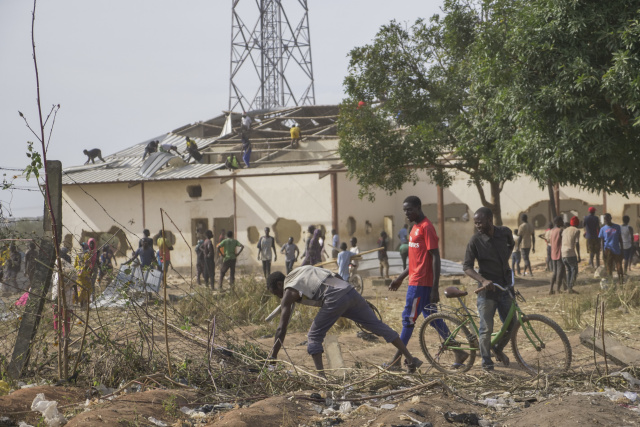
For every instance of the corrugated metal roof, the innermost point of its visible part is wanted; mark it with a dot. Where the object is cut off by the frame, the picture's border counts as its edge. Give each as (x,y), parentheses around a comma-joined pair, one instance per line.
(169,138)
(129,174)
(124,165)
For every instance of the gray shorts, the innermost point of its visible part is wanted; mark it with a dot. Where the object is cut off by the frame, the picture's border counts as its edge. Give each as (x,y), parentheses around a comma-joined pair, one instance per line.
(351,306)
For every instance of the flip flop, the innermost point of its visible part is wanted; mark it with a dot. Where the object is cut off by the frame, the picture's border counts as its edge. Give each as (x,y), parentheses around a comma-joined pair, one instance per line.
(414,365)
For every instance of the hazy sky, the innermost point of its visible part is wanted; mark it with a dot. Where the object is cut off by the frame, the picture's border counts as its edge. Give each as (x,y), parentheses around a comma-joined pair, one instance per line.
(126,71)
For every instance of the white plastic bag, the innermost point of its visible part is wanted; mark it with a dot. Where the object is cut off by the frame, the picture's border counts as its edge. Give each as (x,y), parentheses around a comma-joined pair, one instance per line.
(48,409)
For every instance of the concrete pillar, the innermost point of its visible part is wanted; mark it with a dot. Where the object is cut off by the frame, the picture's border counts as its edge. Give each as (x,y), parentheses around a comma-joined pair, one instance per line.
(54,172)
(334,202)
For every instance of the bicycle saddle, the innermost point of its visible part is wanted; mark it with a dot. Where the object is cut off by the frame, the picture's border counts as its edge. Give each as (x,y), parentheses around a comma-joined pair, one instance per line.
(453,292)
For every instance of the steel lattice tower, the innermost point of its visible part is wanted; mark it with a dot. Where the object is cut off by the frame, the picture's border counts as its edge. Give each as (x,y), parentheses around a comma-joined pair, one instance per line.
(270,60)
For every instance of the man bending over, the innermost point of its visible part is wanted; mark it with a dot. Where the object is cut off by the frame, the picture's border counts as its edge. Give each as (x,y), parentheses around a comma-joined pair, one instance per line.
(336,298)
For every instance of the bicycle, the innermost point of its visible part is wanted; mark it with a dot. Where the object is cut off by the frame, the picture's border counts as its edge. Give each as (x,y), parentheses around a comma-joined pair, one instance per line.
(538,343)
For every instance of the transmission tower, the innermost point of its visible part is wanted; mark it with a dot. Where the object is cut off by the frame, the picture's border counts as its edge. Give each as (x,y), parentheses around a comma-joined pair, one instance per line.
(271,59)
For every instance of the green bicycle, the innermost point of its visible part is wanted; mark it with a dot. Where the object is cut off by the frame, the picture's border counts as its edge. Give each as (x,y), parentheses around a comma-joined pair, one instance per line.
(538,343)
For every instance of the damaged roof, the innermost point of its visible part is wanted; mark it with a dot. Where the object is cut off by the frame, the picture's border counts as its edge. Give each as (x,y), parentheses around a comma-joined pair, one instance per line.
(219,138)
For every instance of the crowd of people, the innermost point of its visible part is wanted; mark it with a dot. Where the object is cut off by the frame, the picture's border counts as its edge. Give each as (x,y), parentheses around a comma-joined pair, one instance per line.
(615,244)
(486,261)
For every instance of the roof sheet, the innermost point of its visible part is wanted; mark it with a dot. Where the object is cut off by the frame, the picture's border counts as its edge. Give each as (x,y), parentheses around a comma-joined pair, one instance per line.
(130,174)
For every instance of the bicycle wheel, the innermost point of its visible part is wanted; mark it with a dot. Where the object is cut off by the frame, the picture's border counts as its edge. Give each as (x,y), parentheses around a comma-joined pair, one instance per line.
(357,282)
(540,345)
(441,355)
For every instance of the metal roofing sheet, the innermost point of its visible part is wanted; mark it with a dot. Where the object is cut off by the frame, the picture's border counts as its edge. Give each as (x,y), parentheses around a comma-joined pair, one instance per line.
(153,163)
(169,138)
(130,174)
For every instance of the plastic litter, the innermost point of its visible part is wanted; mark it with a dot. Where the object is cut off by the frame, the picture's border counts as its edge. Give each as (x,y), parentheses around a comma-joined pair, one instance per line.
(157,422)
(104,390)
(387,406)
(627,376)
(612,394)
(23,424)
(467,419)
(49,410)
(346,407)
(498,403)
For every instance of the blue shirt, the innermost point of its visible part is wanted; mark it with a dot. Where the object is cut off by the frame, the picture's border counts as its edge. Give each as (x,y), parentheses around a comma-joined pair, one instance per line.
(343,264)
(146,256)
(611,235)
(336,242)
(402,234)
(591,225)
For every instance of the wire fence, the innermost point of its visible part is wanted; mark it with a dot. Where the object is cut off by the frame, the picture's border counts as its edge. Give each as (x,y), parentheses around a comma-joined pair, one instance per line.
(134,323)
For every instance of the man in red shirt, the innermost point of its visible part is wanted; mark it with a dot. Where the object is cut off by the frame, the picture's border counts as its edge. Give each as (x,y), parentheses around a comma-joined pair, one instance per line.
(423,273)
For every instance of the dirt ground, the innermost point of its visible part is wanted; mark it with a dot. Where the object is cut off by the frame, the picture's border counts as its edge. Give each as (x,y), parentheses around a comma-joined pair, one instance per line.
(529,403)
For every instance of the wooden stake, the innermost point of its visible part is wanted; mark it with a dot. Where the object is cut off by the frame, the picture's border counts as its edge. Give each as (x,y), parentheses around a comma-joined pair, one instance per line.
(595,328)
(164,283)
(604,349)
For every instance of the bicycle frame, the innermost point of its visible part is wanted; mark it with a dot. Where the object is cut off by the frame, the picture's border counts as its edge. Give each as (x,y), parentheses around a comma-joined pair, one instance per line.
(514,311)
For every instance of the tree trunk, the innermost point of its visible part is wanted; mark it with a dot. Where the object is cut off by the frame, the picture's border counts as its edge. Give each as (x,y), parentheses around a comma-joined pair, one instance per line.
(552,201)
(495,203)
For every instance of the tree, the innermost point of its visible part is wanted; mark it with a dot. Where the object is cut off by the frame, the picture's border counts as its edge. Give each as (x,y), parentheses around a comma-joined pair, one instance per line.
(423,107)
(573,96)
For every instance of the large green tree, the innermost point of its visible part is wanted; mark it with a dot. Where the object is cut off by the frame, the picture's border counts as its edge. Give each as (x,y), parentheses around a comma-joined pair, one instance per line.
(426,106)
(573,94)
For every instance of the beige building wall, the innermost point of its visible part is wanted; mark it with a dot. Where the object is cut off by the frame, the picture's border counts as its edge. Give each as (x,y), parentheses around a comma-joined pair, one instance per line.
(289,204)
(285,204)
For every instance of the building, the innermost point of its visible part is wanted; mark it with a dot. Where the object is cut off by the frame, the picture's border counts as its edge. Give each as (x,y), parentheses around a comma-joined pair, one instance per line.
(286,189)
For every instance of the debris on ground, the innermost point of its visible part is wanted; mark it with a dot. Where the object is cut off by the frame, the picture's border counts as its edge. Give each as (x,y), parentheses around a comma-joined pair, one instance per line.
(49,410)
(367,336)
(467,419)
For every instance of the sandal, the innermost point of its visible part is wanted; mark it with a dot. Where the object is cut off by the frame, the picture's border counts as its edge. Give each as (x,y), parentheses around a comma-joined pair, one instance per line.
(414,365)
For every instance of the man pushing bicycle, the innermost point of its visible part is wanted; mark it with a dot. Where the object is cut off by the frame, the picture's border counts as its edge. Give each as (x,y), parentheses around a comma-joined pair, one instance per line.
(491,247)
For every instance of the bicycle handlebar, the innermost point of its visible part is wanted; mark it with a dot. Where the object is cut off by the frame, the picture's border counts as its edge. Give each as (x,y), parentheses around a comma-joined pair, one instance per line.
(502,288)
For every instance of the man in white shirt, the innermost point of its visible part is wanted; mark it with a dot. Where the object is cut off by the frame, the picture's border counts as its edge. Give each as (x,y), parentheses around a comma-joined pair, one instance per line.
(336,298)
(246,122)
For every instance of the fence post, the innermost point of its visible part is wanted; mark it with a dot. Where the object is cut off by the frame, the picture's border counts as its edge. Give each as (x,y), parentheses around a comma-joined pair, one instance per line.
(41,280)
(33,311)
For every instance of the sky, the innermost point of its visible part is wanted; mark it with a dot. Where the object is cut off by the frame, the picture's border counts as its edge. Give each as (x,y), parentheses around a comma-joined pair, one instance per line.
(126,71)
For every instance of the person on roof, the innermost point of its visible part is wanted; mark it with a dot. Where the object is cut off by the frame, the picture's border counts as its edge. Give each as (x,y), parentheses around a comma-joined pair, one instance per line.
(151,148)
(246,150)
(192,150)
(246,122)
(295,135)
(232,162)
(168,148)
